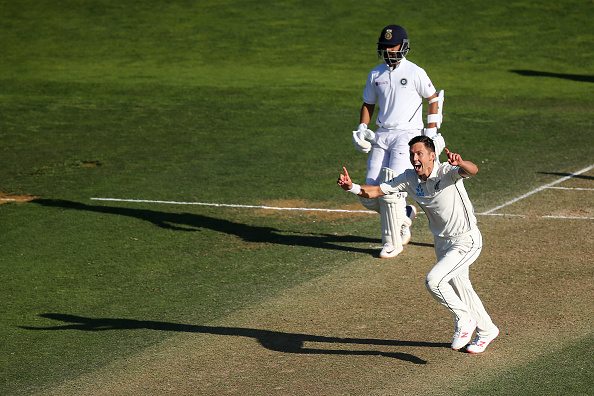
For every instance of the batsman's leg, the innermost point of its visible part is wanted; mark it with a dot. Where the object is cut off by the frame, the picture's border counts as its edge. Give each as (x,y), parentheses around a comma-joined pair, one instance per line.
(399,162)
(392,215)
(371,203)
(374,165)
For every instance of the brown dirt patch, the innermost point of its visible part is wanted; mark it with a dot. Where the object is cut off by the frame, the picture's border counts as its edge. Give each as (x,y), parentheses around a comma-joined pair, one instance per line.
(6,197)
(90,164)
(371,327)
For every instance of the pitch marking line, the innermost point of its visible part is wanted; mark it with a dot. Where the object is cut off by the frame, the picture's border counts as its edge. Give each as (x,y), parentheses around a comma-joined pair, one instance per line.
(487,213)
(572,188)
(301,209)
(537,190)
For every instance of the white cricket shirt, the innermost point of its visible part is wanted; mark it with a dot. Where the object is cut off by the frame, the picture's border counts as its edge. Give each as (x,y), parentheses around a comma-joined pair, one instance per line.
(399,94)
(442,197)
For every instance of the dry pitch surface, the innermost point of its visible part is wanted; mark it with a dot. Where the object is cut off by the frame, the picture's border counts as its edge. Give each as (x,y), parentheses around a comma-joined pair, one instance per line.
(372,328)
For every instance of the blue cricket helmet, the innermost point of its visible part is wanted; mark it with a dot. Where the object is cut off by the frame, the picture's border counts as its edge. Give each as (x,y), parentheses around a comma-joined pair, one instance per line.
(392,36)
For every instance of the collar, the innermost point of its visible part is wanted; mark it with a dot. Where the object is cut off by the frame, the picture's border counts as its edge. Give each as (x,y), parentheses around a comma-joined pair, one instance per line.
(388,68)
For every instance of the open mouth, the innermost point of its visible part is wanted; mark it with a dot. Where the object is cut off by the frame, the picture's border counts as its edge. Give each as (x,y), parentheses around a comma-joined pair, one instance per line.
(418,166)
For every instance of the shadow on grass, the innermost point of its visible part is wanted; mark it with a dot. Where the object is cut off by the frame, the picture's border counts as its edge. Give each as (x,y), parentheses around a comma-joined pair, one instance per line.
(249,233)
(273,340)
(572,77)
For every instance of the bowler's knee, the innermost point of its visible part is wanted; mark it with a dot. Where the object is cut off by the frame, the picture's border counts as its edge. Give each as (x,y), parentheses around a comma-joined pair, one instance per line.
(432,282)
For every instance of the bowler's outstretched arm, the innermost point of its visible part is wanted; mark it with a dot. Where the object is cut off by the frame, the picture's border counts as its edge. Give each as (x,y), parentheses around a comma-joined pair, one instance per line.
(344,181)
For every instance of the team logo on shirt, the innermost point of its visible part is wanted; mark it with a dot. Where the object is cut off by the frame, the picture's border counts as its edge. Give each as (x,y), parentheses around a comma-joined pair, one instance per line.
(420,191)
(404,81)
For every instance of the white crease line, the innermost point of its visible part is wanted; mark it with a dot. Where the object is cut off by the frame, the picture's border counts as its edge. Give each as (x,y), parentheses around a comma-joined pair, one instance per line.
(499,214)
(543,217)
(572,188)
(303,209)
(539,189)
(568,217)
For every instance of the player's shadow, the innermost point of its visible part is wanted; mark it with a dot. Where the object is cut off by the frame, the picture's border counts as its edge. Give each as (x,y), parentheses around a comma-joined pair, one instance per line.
(571,77)
(249,233)
(274,340)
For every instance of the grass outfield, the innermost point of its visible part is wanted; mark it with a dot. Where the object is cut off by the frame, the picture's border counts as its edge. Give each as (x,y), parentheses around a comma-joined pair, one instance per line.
(248,103)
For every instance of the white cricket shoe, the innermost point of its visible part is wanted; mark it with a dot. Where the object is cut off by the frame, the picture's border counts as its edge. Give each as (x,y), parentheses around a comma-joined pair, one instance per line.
(480,343)
(389,251)
(463,334)
(406,231)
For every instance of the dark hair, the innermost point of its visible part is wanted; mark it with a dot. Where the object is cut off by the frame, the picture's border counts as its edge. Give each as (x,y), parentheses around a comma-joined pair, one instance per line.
(423,139)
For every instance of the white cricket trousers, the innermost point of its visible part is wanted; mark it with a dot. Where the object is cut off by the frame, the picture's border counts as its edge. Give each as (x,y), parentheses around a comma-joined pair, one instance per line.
(449,282)
(390,150)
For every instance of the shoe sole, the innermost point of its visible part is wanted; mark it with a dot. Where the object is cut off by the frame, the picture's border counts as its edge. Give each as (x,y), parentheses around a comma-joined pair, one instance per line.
(488,343)
(390,255)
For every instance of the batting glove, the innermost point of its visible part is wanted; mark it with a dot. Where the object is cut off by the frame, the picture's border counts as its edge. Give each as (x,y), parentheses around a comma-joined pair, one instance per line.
(438,140)
(360,136)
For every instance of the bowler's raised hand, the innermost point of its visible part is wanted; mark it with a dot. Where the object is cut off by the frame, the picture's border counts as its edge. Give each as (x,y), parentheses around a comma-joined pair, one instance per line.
(453,158)
(344,180)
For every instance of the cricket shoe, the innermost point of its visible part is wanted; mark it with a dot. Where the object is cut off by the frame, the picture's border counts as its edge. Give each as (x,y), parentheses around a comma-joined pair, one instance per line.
(463,334)
(406,230)
(480,343)
(389,251)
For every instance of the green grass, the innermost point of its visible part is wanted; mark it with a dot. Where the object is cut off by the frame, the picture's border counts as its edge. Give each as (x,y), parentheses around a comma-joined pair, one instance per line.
(242,103)
(567,371)
(143,264)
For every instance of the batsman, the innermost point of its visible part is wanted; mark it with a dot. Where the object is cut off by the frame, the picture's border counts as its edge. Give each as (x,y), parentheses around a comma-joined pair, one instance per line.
(397,88)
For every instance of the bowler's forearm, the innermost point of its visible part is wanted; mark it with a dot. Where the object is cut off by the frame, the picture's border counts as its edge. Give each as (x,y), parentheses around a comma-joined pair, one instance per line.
(370,192)
(469,168)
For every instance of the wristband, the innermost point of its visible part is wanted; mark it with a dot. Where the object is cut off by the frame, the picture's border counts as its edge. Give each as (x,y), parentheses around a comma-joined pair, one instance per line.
(356,189)
(433,118)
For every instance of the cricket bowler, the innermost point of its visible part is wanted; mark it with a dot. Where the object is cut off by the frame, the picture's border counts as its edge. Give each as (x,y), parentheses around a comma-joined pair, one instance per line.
(439,190)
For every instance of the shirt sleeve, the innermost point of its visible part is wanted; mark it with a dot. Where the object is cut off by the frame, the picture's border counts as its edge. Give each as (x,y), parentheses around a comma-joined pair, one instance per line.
(426,87)
(454,173)
(395,185)
(369,94)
